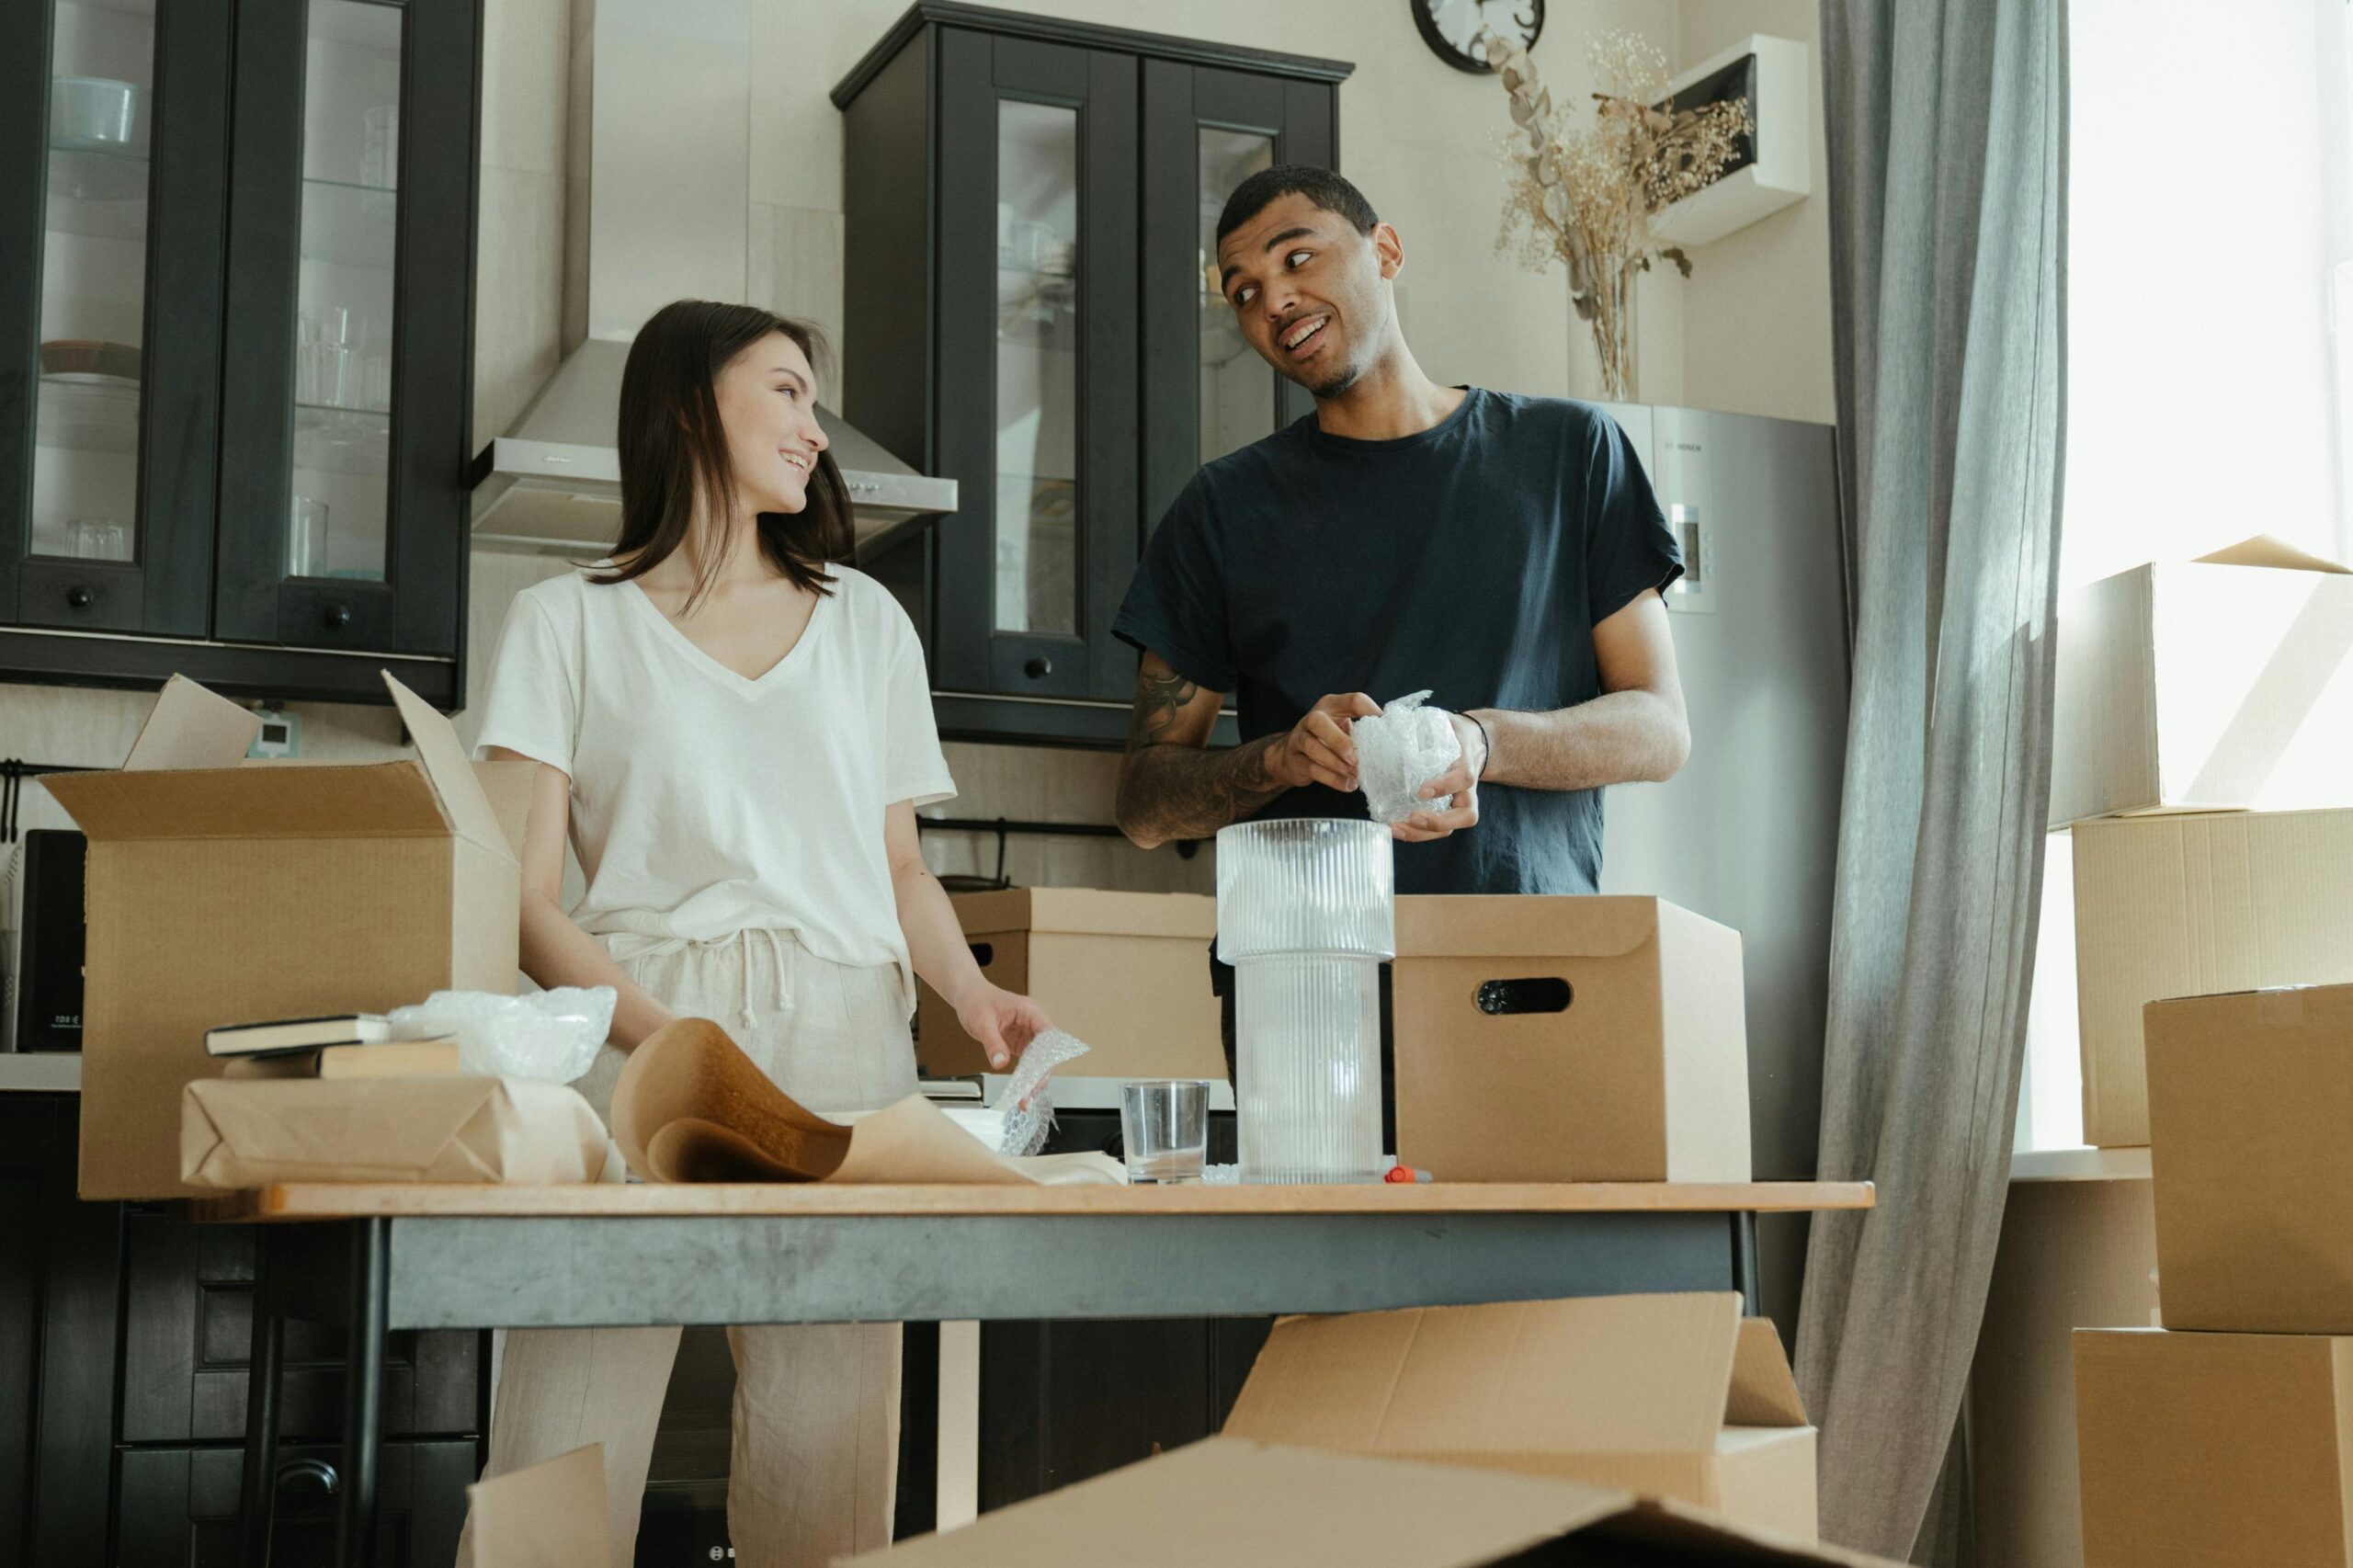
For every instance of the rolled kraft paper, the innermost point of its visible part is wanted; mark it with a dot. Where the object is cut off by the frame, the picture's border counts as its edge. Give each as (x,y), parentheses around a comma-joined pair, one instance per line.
(690,1106)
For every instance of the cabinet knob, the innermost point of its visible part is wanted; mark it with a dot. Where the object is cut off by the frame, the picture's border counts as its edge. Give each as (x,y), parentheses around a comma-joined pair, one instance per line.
(337,616)
(1039,668)
(80,597)
(300,1477)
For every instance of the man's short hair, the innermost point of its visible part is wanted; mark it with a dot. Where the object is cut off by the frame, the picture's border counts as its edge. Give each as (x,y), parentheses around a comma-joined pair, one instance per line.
(1321,187)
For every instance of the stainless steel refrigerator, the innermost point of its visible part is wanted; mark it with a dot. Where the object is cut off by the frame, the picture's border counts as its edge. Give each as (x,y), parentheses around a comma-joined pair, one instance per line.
(1748,832)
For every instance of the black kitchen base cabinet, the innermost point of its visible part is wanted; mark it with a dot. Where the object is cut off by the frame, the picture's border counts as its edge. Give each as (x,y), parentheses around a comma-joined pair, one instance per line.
(1032,310)
(236,293)
(181,1506)
(124,1337)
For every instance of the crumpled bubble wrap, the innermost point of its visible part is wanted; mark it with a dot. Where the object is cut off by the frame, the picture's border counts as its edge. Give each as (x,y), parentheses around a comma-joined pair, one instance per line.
(1397,752)
(1028,1105)
(553,1036)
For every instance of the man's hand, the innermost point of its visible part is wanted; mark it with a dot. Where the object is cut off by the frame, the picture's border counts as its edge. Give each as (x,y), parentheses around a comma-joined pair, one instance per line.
(1461,781)
(1318,749)
(1003,1022)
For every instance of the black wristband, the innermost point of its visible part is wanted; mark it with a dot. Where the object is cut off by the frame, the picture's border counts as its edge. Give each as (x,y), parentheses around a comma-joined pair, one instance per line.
(1488,736)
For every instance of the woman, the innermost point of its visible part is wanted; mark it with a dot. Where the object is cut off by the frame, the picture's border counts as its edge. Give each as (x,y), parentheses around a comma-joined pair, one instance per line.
(734,737)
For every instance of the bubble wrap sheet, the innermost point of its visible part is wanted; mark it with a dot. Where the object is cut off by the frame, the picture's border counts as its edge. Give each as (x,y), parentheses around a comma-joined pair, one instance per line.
(1028,1104)
(1397,752)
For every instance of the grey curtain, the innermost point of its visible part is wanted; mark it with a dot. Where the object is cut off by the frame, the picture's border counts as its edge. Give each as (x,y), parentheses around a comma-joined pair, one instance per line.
(1948,148)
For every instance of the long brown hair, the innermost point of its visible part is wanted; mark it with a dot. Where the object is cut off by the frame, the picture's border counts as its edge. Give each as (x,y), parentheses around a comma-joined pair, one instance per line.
(674,449)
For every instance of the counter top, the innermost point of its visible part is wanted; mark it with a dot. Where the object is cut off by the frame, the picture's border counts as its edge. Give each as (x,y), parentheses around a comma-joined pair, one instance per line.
(321,1201)
(41,1072)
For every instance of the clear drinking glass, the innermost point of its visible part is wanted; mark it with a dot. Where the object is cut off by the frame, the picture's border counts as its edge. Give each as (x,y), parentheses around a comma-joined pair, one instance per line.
(1165,1126)
(1306,915)
(306,539)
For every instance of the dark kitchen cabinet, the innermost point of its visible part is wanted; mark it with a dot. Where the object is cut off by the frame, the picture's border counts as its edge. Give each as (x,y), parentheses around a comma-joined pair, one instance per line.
(237,285)
(124,1335)
(1032,311)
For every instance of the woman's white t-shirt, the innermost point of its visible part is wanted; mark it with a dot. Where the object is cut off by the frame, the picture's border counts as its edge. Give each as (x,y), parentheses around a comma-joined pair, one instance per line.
(705,802)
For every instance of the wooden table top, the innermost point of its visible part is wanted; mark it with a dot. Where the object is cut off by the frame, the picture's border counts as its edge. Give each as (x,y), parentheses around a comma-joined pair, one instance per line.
(337,1201)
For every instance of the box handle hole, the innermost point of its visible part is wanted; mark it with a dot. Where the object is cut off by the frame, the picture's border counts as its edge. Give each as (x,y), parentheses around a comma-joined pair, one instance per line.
(1543,996)
(984,953)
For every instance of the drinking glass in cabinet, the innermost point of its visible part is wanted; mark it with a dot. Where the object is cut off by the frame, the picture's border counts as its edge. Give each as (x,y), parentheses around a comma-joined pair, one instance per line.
(342,369)
(93,281)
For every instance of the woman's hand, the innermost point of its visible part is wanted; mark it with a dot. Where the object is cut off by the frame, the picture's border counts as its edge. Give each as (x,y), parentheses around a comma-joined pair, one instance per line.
(1004,1023)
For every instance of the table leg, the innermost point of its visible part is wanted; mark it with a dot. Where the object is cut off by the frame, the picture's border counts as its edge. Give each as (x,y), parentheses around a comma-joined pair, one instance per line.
(958,1496)
(256,1516)
(1743,1263)
(363,1393)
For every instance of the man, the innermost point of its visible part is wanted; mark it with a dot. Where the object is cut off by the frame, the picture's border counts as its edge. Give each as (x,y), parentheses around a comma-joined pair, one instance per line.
(1505,552)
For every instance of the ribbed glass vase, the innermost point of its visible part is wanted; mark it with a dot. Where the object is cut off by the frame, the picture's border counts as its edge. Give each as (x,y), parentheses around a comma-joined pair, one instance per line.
(1306,915)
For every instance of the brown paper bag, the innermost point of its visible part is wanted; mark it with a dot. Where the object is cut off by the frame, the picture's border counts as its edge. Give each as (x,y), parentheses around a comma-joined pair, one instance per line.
(239,1133)
(550,1515)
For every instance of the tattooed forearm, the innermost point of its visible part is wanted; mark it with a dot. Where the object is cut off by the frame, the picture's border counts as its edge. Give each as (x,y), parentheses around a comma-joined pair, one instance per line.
(1170,788)
(1179,792)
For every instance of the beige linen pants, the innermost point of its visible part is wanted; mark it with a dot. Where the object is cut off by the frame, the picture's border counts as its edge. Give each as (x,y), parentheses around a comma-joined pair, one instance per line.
(816,1421)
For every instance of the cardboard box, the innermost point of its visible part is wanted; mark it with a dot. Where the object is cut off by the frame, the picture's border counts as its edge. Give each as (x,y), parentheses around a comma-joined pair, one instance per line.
(2221,682)
(218,893)
(1668,1396)
(2191,905)
(1127,972)
(1569,1039)
(1239,1505)
(2250,1107)
(2207,1449)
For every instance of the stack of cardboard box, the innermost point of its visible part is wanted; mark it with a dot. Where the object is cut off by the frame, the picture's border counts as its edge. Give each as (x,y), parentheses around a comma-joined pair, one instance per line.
(2204,759)
(2227,1435)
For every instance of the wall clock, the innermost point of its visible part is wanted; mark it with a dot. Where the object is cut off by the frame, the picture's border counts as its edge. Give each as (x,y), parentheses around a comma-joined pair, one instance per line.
(1452,28)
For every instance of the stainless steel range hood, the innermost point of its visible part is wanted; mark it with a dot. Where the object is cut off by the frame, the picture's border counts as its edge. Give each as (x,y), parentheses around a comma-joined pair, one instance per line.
(659,149)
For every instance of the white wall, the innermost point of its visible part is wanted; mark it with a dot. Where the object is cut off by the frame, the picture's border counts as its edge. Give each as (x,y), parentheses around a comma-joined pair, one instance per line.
(1757,307)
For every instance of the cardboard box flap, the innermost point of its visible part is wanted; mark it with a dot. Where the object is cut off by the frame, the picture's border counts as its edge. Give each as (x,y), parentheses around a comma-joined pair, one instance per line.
(1615,1374)
(2262,550)
(1088,911)
(443,758)
(190,727)
(1482,925)
(1763,1391)
(378,800)
(1239,1505)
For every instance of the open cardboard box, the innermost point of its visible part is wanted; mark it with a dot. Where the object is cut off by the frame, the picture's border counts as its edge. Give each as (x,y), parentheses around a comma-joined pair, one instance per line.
(2186,905)
(1569,1038)
(1241,1505)
(1665,1395)
(2199,1450)
(220,892)
(2249,1097)
(2217,683)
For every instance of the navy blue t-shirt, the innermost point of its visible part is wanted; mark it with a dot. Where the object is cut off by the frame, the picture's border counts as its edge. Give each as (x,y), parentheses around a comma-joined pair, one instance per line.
(1473,558)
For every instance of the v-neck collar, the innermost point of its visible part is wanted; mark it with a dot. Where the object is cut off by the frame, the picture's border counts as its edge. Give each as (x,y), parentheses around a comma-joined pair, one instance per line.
(733,679)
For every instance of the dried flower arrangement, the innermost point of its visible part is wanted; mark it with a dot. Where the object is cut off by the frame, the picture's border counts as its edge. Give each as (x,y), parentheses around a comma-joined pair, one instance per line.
(1588,196)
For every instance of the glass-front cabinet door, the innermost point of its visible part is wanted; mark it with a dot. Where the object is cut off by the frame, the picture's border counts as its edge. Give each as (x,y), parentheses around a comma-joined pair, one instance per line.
(1207,393)
(343,491)
(1037,328)
(113,136)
